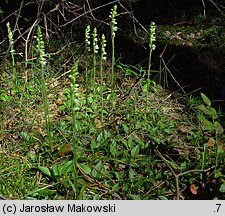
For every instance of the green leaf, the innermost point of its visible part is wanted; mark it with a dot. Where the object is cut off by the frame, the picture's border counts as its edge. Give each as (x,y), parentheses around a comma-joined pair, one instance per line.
(1,11)
(213,113)
(158,176)
(98,167)
(145,87)
(208,125)
(94,173)
(67,167)
(134,197)
(142,145)
(100,137)
(218,174)
(55,170)
(183,166)
(45,170)
(90,99)
(106,134)
(32,156)
(218,127)
(222,188)
(117,176)
(61,108)
(206,99)
(132,174)
(128,116)
(201,117)
(126,69)
(110,97)
(135,151)
(208,111)
(4,96)
(204,109)
(123,141)
(126,129)
(85,168)
(25,135)
(116,187)
(113,149)
(130,142)
(162,197)
(82,192)
(94,145)
(221,148)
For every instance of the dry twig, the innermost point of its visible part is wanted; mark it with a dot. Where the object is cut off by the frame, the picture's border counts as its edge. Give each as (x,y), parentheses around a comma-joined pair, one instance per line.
(176,176)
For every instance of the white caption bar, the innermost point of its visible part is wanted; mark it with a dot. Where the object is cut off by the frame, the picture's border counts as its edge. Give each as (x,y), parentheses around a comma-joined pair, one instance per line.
(114,208)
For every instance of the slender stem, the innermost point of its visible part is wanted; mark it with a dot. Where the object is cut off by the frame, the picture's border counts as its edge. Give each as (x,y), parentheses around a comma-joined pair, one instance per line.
(46,107)
(113,15)
(113,61)
(12,51)
(217,142)
(151,48)
(95,51)
(74,125)
(103,57)
(40,49)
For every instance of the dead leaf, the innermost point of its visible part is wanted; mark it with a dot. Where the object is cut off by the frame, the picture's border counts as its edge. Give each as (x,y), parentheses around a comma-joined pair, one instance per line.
(1,136)
(194,189)
(185,129)
(66,150)
(178,37)
(211,142)
(167,34)
(221,147)
(191,36)
(53,83)
(40,131)
(98,123)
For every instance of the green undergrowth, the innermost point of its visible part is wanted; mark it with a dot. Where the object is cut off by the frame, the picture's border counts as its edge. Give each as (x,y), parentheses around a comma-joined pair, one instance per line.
(118,154)
(97,132)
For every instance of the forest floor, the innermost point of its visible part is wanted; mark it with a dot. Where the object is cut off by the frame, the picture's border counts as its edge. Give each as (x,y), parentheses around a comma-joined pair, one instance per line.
(74,128)
(133,148)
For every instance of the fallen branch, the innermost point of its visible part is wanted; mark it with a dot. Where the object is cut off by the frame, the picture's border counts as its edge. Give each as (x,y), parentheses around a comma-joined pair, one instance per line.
(176,176)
